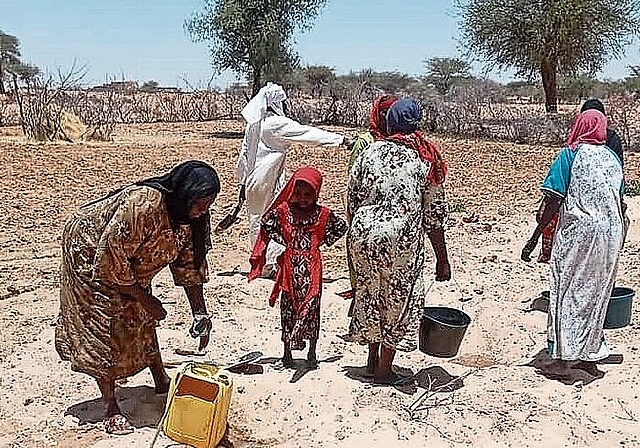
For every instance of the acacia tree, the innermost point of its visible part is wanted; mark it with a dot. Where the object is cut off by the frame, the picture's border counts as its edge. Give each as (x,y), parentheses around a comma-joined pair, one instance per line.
(9,56)
(319,77)
(444,72)
(252,37)
(548,37)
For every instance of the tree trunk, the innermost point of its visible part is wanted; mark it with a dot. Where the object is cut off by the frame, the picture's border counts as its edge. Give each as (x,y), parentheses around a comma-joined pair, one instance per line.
(548,71)
(256,81)
(16,91)
(2,89)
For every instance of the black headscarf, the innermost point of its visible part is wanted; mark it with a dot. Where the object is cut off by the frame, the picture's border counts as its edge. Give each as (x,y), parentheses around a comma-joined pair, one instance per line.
(593,103)
(184,184)
(613,139)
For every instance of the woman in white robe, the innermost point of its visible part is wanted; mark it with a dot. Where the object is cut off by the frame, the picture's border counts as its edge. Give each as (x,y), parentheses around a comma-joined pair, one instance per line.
(261,162)
(585,184)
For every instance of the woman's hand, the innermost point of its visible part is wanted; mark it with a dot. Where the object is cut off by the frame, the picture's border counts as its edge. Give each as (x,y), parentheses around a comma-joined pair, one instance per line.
(156,310)
(443,271)
(528,249)
(201,327)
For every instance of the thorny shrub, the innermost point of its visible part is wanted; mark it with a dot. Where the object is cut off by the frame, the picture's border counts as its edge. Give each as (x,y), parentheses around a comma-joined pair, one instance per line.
(477,112)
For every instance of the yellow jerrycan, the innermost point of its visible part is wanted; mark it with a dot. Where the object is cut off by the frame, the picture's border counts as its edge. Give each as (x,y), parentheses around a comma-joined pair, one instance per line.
(198,404)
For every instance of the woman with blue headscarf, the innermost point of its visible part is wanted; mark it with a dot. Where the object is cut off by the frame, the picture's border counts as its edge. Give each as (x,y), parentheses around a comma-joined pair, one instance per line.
(111,250)
(395,198)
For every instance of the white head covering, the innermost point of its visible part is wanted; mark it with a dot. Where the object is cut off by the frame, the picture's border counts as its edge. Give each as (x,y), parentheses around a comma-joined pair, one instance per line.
(270,95)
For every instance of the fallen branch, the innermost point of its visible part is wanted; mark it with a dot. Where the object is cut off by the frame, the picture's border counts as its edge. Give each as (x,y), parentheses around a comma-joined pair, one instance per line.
(630,415)
(431,391)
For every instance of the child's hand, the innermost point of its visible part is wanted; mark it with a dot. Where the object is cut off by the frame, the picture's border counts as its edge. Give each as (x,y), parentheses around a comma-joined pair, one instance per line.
(528,249)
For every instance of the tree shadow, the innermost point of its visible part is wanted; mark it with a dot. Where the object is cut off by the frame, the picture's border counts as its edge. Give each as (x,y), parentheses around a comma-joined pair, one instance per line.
(140,404)
(227,134)
(548,367)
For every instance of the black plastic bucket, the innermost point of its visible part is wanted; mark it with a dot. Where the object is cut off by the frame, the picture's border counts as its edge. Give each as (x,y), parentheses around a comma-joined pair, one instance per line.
(442,330)
(619,308)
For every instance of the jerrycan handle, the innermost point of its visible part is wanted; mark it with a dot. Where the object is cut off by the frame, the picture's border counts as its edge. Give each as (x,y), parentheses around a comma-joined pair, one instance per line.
(200,371)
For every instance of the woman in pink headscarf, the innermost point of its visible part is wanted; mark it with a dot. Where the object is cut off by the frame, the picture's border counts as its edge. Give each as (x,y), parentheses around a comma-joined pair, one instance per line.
(584,186)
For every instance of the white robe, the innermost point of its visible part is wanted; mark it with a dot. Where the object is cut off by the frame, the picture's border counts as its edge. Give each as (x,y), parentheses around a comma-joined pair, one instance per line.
(585,253)
(261,165)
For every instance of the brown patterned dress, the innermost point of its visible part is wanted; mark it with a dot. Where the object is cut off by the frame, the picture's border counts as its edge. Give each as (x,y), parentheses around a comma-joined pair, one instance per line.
(121,240)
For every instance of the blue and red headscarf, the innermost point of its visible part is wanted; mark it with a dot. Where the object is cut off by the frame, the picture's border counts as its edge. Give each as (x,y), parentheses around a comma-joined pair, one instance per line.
(403,120)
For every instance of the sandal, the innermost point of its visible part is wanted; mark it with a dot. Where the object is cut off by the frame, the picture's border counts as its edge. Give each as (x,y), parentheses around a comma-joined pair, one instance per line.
(118,425)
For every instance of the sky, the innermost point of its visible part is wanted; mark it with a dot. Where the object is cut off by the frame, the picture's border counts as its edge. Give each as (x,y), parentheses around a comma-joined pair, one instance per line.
(145,40)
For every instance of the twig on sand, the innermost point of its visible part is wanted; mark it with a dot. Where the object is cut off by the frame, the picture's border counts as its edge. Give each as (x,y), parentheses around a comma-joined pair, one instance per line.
(443,435)
(431,391)
(630,415)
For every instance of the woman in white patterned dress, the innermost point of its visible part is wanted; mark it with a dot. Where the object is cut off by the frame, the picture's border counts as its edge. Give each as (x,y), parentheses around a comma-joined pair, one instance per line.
(395,198)
(585,184)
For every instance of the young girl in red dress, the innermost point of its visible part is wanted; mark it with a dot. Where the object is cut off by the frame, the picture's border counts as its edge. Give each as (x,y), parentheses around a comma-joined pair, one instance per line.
(296,221)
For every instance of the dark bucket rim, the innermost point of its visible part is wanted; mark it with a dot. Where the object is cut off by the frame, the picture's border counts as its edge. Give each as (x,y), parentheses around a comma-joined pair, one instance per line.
(617,292)
(465,316)
(622,292)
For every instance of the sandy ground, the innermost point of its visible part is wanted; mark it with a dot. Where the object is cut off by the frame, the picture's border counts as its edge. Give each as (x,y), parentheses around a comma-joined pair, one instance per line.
(500,401)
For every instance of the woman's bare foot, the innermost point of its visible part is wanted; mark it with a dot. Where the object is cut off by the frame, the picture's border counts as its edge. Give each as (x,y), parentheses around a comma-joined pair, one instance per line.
(159,374)
(312,361)
(162,384)
(372,360)
(287,361)
(287,357)
(312,358)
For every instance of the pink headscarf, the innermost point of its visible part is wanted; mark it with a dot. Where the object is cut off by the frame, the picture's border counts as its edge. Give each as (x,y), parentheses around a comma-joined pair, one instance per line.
(590,127)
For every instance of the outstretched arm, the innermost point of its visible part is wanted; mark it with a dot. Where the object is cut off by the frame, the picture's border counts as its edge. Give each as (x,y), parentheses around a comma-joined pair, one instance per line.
(290,130)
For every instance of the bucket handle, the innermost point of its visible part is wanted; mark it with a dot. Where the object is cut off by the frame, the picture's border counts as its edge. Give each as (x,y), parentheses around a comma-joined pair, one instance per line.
(200,371)
(433,282)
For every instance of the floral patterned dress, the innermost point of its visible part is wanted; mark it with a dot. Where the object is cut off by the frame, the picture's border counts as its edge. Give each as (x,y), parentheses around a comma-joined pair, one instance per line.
(586,248)
(300,314)
(121,240)
(391,207)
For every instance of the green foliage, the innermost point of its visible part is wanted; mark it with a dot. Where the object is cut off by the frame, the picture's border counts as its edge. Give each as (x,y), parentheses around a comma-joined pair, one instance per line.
(253,37)
(149,86)
(376,83)
(548,36)
(25,72)
(319,77)
(457,207)
(9,56)
(632,188)
(443,73)
(575,88)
